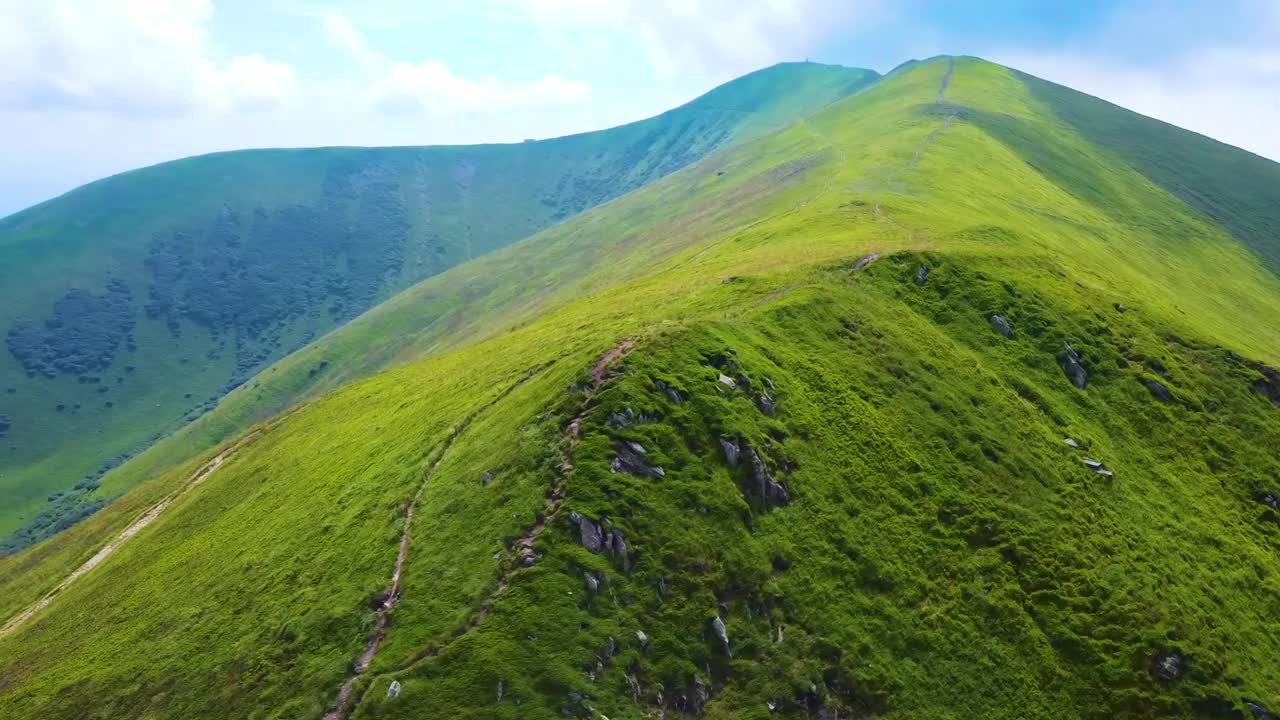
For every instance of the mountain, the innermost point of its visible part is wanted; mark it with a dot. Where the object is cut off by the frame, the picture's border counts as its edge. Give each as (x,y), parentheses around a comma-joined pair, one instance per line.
(131,305)
(944,401)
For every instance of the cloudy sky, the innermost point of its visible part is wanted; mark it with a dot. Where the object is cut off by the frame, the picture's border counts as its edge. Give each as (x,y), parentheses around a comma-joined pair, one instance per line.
(93,87)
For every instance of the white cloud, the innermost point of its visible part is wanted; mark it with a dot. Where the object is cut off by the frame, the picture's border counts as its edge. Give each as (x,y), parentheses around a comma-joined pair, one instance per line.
(717,38)
(431,86)
(129,56)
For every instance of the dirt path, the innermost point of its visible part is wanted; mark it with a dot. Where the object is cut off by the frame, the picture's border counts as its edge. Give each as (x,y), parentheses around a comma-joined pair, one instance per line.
(343,703)
(136,527)
(523,547)
(919,152)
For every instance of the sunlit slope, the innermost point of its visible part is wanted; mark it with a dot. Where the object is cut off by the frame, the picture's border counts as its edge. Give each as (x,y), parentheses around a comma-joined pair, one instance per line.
(943,552)
(130,306)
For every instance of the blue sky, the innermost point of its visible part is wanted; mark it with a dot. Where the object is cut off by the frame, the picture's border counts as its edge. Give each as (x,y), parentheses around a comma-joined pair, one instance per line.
(90,88)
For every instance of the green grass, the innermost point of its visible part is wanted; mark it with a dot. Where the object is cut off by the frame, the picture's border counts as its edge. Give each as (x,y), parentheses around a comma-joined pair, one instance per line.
(315,237)
(944,554)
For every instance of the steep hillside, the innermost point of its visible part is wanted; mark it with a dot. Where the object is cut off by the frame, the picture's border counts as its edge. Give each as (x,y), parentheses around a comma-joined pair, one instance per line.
(880,415)
(130,306)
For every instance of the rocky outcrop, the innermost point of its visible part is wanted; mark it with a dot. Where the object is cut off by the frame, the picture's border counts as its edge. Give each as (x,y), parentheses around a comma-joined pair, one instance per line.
(1001,325)
(864,261)
(922,274)
(722,632)
(765,404)
(628,417)
(1069,361)
(731,452)
(673,394)
(763,486)
(1259,711)
(598,538)
(1168,666)
(630,459)
(1158,391)
(1268,385)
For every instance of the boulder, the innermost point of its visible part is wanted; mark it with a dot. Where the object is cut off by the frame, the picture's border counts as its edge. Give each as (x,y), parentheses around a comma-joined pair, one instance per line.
(1158,391)
(922,274)
(1069,361)
(594,581)
(487,478)
(727,381)
(1120,308)
(642,639)
(1270,499)
(1001,325)
(393,690)
(1168,666)
(1072,442)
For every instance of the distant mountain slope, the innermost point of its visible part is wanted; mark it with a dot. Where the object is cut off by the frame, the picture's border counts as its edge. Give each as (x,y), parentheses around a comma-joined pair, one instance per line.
(131,305)
(926,407)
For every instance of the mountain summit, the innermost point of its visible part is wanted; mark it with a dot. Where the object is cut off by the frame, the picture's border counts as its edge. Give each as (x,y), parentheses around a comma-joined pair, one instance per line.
(954,397)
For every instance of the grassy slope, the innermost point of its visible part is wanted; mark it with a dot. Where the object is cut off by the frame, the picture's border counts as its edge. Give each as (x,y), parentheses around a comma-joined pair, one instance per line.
(455,203)
(945,554)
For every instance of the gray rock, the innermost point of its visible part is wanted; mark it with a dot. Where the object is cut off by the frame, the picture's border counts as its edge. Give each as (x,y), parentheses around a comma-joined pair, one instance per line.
(727,381)
(1069,361)
(762,484)
(1271,500)
(1120,308)
(864,261)
(722,632)
(1001,326)
(1168,666)
(1268,385)
(1072,442)
(922,274)
(1258,711)
(393,690)
(501,688)
(642,639)
(731,451)
(592,536)
(593,583)
(630,459)
(765,404)
(488,478)
(1158,391)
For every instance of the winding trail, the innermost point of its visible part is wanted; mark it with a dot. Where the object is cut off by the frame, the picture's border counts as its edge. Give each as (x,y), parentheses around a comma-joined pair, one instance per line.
(919,152)
(523,548)
(343,703)
(133,529)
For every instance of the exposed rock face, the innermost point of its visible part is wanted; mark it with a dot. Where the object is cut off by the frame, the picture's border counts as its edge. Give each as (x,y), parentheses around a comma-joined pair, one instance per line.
(594,581)
(597,538)
(1269,384)
(1168,666)
(672,394)
(628,417)
(922,274)
(1158,391)
(765,404)
(763,485)
(1001,326)
(1258,711)
(721,631)
(864,261)
(731,452)
(1069,361)
(630,459)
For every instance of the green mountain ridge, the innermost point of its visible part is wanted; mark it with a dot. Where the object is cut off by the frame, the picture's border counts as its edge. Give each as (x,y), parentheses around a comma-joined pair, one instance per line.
(814,427)
(131,305)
